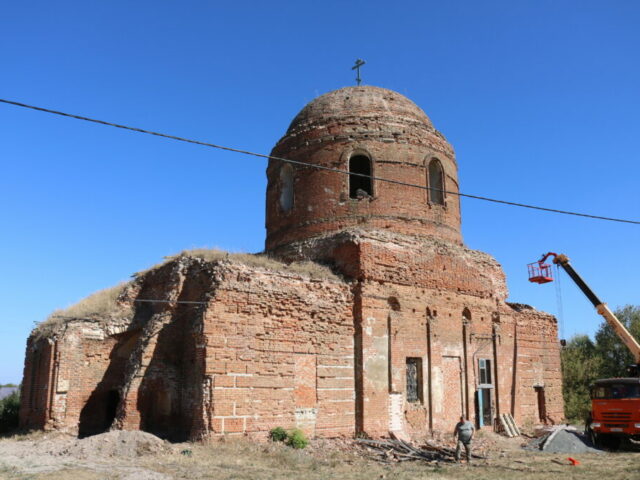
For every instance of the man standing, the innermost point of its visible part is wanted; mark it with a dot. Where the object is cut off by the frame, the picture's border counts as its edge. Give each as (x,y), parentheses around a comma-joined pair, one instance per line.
(464,432)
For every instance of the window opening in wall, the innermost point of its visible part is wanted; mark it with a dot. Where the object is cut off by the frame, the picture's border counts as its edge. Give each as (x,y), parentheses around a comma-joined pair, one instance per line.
(542,404)
(286,188)
(436,182)
(414,380)
(360,187)
(484,371)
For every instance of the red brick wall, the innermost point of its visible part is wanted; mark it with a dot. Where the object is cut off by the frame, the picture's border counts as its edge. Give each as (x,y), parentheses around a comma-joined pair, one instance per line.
(400,140)
(280,353)
(445,304)
(269,347)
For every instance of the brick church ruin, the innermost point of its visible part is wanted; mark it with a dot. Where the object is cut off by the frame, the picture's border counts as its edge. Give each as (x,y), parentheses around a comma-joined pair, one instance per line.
(365,314)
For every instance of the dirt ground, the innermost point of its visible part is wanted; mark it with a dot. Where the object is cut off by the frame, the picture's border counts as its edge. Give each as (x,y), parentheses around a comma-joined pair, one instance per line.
(141,456)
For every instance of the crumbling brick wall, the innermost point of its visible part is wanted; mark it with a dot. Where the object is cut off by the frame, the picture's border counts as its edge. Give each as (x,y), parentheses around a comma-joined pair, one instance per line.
(264,349)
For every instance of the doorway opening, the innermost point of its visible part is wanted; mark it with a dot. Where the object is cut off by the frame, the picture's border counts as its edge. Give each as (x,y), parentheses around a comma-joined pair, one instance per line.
(484,394)
(98,413)
(484,415)
(542,404)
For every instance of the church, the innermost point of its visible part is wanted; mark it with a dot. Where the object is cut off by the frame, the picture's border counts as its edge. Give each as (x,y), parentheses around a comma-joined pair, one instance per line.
(365,314)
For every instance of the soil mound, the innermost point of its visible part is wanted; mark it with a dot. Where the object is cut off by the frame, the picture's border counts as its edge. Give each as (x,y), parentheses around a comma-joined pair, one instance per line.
(117,443)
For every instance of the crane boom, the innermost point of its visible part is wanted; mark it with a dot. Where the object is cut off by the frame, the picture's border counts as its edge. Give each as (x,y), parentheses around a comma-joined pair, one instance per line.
(601,307)
(615,402)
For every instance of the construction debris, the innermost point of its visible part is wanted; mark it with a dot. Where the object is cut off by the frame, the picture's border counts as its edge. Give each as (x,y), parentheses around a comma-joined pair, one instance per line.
(563,439)
(387,451)
(507,425)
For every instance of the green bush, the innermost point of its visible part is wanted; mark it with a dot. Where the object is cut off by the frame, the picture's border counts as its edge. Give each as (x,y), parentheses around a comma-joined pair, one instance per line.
(294,438)
(9,409)
(297,439)
(278,434)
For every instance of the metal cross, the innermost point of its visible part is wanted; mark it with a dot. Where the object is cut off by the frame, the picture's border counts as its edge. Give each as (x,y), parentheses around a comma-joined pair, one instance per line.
(356,67)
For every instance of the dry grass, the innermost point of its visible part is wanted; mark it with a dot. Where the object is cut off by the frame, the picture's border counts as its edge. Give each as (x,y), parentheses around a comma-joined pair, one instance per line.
(257,260)
(99,306)
(242,459)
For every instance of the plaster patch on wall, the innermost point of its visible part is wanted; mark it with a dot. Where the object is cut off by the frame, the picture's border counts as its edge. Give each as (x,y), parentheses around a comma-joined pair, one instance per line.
(63,386)
(306,419)
(396,401)
(376,363)
(437,390)
(93,333)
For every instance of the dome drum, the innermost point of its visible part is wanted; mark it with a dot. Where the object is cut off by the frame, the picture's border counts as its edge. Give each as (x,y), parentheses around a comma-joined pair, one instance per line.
(384,135)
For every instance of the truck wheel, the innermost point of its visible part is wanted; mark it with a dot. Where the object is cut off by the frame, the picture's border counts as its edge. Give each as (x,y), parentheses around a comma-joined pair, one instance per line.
(610,442)
(614,442)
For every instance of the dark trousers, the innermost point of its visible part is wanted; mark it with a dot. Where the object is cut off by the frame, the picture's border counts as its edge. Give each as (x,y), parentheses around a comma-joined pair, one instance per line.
(467,448)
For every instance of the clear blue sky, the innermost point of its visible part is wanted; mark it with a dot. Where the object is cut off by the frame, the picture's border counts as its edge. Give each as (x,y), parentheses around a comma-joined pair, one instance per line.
(539,98)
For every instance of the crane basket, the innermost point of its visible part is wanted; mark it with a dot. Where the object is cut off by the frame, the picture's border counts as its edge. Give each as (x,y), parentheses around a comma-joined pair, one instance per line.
(540,272)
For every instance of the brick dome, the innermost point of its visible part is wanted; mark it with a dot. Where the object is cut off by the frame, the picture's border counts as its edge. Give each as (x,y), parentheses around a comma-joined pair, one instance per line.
(359,103)
(369,131)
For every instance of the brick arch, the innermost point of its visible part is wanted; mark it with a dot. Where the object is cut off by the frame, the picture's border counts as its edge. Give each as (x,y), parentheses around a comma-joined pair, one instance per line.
(435,181)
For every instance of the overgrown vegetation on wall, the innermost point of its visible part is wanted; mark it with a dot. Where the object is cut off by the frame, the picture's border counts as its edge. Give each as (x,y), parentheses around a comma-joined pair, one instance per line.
(259,260)
(99,305)
(103,305)
(584,361)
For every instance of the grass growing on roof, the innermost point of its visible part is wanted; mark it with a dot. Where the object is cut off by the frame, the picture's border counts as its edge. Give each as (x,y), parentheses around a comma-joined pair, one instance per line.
(99,305)
(103,305)
(258,260)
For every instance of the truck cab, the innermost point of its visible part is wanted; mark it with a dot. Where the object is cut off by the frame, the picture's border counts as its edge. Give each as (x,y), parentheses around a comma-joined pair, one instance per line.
(615,410)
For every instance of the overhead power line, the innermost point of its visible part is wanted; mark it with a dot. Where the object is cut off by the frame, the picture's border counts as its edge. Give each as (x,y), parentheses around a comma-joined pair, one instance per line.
(318,167)
(146,300)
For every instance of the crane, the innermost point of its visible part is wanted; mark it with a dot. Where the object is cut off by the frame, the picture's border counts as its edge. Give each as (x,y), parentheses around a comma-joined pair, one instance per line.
(615,402)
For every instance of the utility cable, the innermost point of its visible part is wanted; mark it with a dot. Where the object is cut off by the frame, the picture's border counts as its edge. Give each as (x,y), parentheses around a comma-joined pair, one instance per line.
(146,300)
(318,167)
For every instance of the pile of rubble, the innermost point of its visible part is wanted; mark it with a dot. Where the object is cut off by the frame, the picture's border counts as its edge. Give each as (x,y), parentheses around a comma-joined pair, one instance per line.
(562,439)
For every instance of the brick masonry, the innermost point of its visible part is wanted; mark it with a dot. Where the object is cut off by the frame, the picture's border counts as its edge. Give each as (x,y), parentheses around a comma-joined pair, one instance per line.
(271,347)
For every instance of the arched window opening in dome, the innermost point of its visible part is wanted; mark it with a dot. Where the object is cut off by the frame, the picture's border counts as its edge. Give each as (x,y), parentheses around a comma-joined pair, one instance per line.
(435,181)
(286,188)
(360,187)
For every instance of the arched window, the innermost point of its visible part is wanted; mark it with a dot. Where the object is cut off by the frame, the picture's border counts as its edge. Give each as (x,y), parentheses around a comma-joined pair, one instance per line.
(435,181)
(360,187)
(286,188)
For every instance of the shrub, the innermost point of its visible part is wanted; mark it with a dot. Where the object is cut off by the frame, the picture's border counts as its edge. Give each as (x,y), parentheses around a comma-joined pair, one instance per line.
(9,410)
(297,439)
(278,434)
(294,438)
